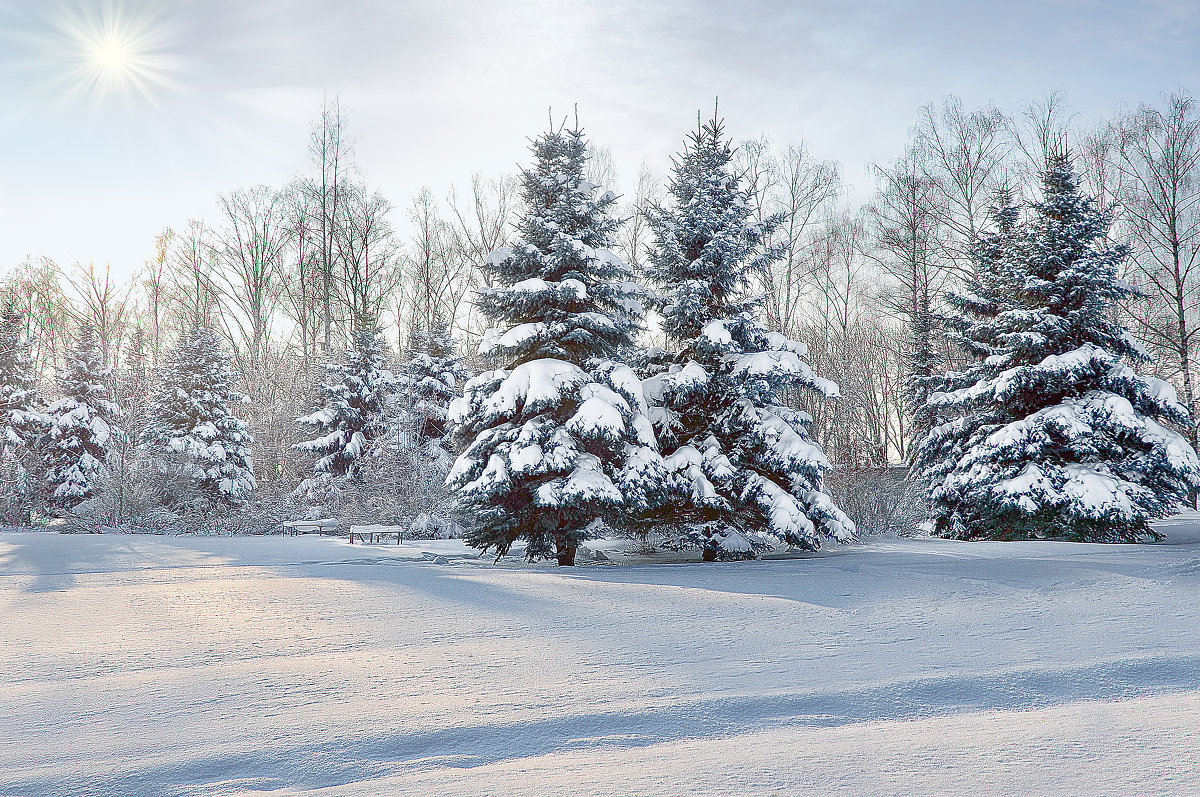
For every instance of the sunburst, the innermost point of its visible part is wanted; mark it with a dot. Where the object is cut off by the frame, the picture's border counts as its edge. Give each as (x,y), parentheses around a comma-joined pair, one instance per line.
(104,50)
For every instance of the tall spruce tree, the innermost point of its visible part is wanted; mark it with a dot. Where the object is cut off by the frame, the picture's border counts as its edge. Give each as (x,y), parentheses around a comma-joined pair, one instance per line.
(355,407)
(81,426)
(1051,432)
(191,428)
(556,436)
(744,472)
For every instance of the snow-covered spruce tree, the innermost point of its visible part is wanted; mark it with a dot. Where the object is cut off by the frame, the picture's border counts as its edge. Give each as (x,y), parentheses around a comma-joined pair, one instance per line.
(191,432)
(428,381)
(355,405)
(556,437)
(21,421)
(1051,432)
(972,324)
(81,426)
(744,472)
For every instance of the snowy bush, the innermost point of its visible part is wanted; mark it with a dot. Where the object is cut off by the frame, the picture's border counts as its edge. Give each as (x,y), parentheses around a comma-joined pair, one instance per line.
(879,500)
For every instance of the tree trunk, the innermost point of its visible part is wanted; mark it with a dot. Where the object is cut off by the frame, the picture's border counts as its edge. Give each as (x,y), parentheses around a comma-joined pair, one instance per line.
(565,552)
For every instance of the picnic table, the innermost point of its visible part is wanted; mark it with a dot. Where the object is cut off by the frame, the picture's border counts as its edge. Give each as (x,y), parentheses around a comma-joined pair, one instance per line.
(323,526)
(376,532)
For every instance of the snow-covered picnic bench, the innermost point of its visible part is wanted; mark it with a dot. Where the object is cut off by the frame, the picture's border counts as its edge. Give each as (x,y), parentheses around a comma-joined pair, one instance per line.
(376,533)
(323,526)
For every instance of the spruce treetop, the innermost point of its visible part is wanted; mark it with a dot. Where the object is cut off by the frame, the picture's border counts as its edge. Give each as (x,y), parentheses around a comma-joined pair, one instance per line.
(708,245)
(354,402)
(17,380)
(561,292)
(191,420)
(79,428)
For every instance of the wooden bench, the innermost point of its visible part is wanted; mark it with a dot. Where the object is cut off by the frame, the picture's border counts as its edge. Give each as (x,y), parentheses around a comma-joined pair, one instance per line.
(311,526)
(376,533)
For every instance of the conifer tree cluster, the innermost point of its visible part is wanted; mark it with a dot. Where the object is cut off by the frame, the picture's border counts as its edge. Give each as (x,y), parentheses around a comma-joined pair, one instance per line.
(1051,432)
(1048,430)
(562,434)
(56,459)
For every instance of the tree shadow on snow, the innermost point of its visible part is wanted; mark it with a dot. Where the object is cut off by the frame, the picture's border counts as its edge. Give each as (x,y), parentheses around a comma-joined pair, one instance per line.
(333,763)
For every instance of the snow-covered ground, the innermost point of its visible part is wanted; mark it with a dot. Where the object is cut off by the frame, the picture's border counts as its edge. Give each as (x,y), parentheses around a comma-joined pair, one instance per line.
(216,666)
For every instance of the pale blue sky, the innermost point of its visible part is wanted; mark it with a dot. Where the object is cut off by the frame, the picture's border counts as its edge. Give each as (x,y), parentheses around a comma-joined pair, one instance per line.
(436,89)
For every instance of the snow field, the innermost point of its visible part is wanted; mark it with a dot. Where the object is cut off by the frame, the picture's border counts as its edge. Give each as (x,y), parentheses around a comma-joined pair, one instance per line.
(139,665)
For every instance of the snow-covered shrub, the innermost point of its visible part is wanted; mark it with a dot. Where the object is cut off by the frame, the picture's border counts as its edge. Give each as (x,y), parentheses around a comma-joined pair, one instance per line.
(436,526)
(17,490)
(744,473)
(126,497)
(397,483)
(879,500)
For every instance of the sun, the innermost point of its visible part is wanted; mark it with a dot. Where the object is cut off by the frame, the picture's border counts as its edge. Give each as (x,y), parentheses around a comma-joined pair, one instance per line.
(110,51)
(112,56)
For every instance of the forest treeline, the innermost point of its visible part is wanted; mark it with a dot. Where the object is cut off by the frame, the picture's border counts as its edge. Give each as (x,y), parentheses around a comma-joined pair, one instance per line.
(285,275)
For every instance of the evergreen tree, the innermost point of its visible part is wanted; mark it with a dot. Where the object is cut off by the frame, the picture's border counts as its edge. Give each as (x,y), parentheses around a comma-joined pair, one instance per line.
(21,422)
(744,471)
(80,432)
(1051,432)
(355,407)
(191,426)
(428,381)
(556,437)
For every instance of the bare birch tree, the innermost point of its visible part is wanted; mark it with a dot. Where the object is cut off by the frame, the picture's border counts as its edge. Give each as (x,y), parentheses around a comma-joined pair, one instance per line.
(329,148)
(250,248)
(435,280)
(368,256)
(35,291)
(301,277)
(806,189)
(963,155)
(105,305)
(909,246)
(156,290)
(193,292)
(479,225)
(633,236)
(1159,159)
